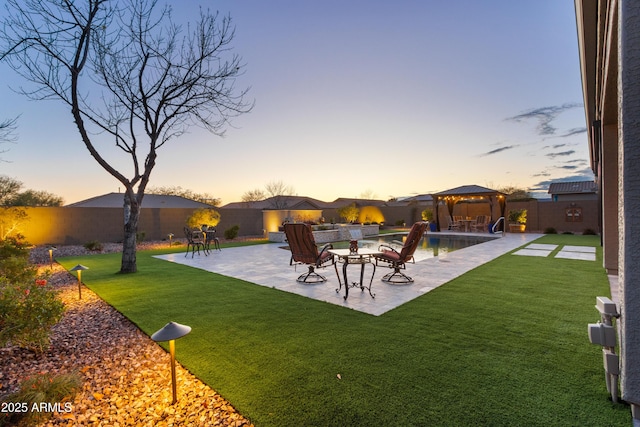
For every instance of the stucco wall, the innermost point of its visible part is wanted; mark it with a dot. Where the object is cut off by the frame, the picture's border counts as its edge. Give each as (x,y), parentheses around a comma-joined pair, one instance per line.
(71,226)
(81,225)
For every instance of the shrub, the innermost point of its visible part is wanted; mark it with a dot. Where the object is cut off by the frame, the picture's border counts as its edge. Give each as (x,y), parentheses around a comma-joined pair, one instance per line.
(28,307)
(140,236)
(231,233)
(94,246)
(550,230)
(349,213)
(40,389)
(400,223)
(568,232)
(203,216)
(427,215)
(589,232)
(518,216)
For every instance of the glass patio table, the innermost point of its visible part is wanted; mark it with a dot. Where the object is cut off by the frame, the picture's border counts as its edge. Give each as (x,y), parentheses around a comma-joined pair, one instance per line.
(363,257)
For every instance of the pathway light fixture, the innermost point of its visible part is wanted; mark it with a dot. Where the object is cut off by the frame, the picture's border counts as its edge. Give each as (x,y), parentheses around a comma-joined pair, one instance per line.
(51,249)
(171,332)
(79,268)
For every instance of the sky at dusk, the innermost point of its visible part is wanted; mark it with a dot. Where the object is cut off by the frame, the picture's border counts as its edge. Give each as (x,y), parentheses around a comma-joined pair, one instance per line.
(386,98)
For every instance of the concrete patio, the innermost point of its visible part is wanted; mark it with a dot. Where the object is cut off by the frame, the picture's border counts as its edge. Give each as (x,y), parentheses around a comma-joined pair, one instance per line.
(268,265)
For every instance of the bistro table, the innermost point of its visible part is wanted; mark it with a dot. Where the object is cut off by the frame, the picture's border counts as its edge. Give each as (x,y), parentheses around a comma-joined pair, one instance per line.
(362,257)
(467,224)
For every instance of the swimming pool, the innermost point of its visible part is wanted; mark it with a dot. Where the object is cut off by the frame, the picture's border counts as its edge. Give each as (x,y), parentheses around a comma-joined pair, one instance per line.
(430,245)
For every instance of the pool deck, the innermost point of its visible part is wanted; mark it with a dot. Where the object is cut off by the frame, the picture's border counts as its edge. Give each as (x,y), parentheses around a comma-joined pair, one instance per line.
(268,265)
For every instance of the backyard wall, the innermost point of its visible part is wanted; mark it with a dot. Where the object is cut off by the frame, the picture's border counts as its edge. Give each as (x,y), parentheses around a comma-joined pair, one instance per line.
(68,225)
(72,226)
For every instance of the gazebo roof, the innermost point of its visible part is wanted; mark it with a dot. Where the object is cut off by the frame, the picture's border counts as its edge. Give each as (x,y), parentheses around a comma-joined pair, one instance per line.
(467,190)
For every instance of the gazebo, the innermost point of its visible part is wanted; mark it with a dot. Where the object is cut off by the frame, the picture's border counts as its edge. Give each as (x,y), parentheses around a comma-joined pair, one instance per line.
(469,193)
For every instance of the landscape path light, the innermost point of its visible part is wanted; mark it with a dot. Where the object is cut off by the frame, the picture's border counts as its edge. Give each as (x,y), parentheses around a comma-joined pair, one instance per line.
(79,269)
(170,235)
(171,332)
(51,249)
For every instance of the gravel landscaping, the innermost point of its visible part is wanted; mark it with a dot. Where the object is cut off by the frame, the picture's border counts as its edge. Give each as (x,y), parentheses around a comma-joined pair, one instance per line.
(126,376)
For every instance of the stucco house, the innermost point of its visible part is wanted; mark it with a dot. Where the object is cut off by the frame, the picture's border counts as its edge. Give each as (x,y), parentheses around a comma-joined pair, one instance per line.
(116,200)
(609,49)
(573,191)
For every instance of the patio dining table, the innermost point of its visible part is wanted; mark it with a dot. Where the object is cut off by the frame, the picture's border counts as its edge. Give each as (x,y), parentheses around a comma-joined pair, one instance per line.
(467,224)
(362,257)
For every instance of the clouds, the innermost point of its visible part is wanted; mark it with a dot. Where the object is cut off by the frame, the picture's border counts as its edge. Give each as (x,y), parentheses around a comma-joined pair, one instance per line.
(498,150)
(545,116)
(560,154)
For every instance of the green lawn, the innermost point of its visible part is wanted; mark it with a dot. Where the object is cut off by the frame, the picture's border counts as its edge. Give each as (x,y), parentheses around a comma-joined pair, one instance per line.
(503,345)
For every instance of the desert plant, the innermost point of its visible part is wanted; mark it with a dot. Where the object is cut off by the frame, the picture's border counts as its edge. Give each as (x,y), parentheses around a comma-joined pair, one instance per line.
(204,216)
(39,396)
(28,307)
(232,232)
(518,216)
(427,215)
(349,213)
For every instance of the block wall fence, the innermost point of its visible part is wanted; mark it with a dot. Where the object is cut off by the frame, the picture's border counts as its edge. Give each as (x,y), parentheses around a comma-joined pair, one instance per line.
(73,226)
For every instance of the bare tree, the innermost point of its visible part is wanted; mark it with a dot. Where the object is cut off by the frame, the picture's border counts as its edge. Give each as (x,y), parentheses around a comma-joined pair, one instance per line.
(252,196)
(7,129)
(186,193)
(277,190)
(129,75)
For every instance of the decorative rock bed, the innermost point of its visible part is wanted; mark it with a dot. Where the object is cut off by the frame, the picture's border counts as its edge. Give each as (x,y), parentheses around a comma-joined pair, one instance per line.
(126,376)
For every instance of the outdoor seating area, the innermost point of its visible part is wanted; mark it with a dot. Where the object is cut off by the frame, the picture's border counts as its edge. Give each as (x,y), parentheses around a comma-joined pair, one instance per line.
(201,239)
(479,223)
(269,265)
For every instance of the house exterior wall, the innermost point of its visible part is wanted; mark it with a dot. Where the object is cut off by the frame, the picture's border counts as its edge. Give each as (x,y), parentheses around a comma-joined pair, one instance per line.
(609,197)
(629,200)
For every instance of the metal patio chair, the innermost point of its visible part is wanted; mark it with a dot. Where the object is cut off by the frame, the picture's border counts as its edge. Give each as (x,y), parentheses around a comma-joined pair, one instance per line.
(397,260)
(305,251)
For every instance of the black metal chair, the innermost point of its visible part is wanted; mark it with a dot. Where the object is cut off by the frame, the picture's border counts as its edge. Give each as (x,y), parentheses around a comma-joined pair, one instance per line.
(195,241)
(209,238)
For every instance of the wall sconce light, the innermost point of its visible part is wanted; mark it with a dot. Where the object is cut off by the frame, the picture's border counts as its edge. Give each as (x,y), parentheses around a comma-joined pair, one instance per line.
(51,249)
(170,236)
(171,332)
(79,268)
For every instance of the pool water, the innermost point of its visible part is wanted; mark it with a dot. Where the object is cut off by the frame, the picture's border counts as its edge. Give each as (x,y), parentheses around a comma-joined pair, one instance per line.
(430,245)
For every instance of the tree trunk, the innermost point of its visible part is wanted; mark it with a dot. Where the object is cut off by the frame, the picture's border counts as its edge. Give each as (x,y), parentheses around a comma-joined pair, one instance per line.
(131,215)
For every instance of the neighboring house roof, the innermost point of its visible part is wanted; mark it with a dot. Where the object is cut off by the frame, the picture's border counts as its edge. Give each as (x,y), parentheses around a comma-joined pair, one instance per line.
(345,201)
(116,200)
(572,187)
(302,203)
(467,190)
(280,202)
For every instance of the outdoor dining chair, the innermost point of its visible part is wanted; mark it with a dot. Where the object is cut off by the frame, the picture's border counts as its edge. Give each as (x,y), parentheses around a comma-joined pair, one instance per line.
(195,241)
(397,260)
(305,251)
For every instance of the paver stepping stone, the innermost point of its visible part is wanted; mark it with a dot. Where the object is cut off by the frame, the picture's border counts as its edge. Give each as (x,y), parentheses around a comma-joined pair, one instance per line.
(532,252)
